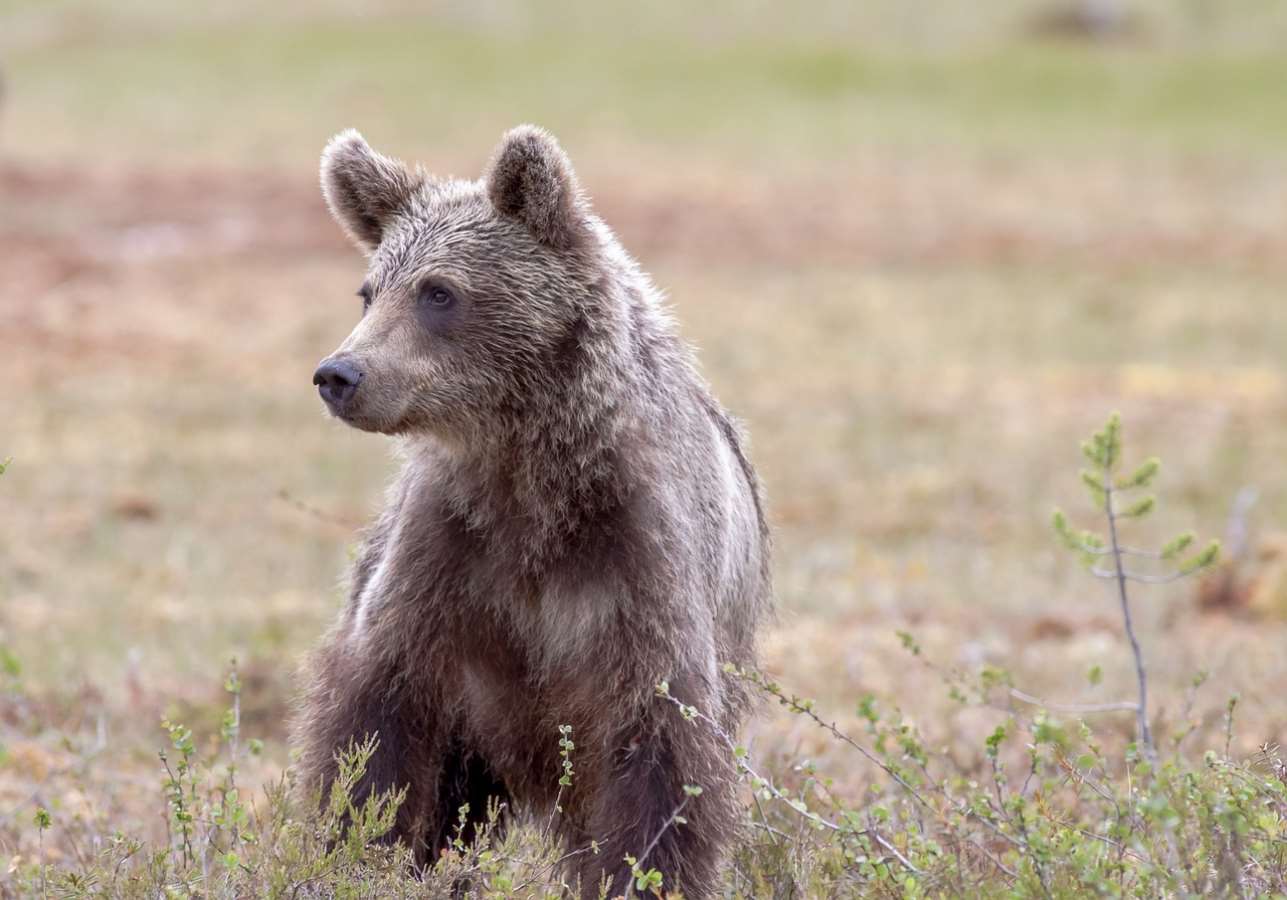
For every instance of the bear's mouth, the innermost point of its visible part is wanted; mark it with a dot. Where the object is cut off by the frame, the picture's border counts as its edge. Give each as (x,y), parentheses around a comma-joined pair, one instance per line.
(346,409)
(347,413)
(355,416)
(354,419)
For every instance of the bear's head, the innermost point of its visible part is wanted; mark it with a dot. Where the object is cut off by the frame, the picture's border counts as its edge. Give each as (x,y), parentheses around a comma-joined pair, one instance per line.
(474,288)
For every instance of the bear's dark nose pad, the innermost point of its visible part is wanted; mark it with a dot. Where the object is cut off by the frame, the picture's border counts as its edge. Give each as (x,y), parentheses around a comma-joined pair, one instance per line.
(336,381)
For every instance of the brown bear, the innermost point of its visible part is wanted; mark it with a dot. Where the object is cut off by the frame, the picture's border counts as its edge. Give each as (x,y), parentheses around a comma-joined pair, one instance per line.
(575,521)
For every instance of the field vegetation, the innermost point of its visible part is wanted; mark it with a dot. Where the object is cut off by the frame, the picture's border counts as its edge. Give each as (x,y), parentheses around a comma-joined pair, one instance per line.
(922,252)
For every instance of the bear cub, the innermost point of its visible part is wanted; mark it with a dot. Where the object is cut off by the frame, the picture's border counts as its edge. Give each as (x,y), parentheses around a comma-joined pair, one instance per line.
(574,521)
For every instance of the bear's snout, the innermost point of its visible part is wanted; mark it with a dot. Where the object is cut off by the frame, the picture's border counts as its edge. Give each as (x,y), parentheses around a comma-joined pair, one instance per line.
(337,382)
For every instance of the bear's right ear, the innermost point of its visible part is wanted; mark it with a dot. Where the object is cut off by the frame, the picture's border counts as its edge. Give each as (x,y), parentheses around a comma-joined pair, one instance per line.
(364,189)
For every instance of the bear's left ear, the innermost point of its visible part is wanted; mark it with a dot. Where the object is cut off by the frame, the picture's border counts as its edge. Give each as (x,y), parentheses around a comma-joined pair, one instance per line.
(530,179)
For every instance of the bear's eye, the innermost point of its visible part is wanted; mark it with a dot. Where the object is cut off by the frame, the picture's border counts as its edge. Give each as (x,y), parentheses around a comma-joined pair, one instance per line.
(365,293)
(437,296)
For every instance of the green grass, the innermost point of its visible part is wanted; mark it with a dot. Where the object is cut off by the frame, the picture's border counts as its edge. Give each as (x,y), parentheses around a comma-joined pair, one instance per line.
(272,94)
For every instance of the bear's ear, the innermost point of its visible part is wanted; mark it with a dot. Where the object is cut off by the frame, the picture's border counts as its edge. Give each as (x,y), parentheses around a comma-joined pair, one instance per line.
(364,189)
(530,179)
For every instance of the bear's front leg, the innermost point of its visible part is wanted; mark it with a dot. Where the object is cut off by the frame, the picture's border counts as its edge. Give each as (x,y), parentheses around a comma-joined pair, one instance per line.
(640,795)
(351,699)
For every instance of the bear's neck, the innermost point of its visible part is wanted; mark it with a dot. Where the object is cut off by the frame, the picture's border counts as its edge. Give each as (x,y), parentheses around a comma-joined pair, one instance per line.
(571,453)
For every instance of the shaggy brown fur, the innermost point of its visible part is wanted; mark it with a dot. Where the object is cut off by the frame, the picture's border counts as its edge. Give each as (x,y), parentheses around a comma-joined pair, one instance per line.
(574,522)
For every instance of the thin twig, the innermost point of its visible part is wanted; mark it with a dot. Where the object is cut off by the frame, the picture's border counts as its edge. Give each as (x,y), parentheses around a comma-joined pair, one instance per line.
(873,833)
(549,869)
(1121,706)
(1126,551)
(992,859)
(1023,830)
(1138,576)
(1141,676)
(960,809)
(664,828)
(313,512)
(835,732)
(766,784)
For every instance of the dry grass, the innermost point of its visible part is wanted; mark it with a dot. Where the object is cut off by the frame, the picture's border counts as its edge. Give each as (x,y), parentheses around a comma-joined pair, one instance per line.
(916,333)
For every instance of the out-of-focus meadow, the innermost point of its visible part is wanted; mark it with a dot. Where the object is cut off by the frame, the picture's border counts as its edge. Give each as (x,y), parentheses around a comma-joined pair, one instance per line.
(923,249)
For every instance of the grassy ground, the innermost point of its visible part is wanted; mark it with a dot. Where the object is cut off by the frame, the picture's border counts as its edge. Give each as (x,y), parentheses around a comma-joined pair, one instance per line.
(921,258)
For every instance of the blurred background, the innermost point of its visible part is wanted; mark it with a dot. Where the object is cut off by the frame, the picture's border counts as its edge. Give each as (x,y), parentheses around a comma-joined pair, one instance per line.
(924,249)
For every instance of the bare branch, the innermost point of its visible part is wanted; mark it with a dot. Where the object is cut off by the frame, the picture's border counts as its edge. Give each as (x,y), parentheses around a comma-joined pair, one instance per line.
(664,828)
(759,781)
(313,512)
(1141,577)
(1126,551)
(875,835)
(992,859)
(1121,706)
(1141,676)
(1155,579)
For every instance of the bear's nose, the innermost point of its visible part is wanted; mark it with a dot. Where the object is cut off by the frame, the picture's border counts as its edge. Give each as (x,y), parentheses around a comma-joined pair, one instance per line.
(336,381)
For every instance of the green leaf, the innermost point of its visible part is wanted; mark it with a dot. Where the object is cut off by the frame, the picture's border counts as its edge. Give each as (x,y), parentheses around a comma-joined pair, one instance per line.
(1091,451)
(908,642)
(1046,730)
(9,663)
(1069,537)
(1059,522)
(994,741)
(867,708)
(1177,545)
(1203,559)
(645,881)
(1095,487)
(1142,475)
(1112,440)
(1141,507)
